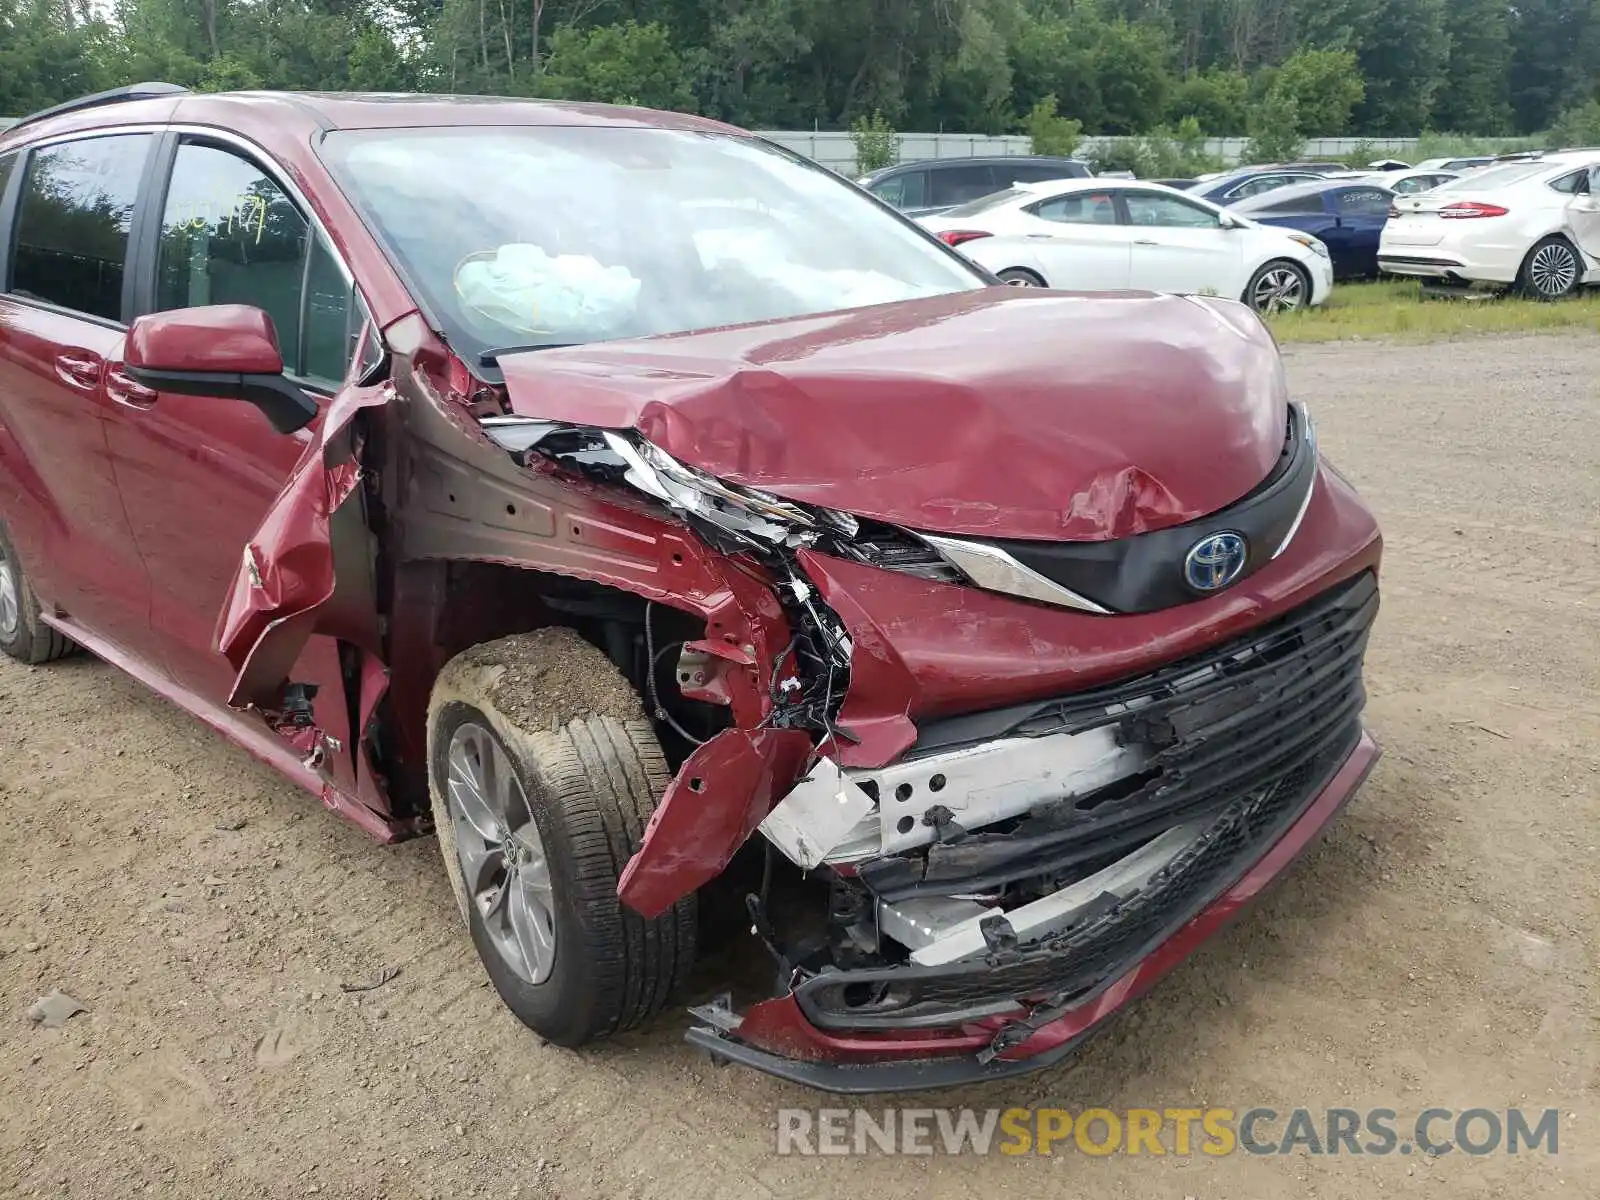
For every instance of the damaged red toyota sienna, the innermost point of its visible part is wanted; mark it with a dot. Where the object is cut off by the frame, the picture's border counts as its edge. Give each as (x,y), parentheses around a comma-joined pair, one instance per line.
(689,542)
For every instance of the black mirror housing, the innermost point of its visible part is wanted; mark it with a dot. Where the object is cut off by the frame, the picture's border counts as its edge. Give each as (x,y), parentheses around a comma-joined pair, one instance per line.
(285,405)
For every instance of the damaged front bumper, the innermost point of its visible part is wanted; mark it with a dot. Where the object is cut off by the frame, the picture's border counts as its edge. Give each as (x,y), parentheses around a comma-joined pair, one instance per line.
(1134,820)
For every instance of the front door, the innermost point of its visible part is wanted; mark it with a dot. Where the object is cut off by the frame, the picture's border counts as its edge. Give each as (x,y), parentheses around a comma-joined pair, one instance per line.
(199,473)
(1583,215)
(60,323)
(1180,246)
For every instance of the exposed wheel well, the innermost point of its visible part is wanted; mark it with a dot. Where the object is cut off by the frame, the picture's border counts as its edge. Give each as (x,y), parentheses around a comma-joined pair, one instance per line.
(1021,273)
(440,608)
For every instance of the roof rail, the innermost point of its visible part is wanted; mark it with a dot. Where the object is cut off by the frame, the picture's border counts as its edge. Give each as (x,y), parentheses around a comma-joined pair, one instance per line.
(134,91)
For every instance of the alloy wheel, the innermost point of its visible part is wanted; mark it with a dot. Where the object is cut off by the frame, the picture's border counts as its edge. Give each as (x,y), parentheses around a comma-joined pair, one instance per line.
(10,599)
(501,852)
(1553,270)
(1280,289)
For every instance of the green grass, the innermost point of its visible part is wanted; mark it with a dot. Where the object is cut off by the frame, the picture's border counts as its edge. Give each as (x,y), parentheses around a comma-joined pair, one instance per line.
(1397,309)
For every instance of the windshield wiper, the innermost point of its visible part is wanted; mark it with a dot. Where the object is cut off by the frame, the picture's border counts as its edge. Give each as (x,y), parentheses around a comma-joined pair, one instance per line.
(491,358)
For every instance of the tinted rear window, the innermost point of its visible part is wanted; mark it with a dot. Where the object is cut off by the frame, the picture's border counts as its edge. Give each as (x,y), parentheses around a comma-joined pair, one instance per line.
(1040,172)
(957,185)
(73,221)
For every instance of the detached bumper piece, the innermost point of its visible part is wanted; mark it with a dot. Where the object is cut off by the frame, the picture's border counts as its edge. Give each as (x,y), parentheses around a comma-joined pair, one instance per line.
(1243,754)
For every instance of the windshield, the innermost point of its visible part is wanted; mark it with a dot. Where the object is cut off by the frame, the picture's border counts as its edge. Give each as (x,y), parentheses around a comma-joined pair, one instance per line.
(551,235)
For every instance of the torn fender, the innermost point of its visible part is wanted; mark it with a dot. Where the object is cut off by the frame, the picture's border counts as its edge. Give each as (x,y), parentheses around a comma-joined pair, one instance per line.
(311,548)
(720,794)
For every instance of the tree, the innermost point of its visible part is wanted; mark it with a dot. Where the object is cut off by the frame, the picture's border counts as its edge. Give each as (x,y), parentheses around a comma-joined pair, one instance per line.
(1402,58)
(1476,92)
(1216,100)
(1049,133)
(626,63)
(1131,65)
(1578,126)
(1326,86)
(1275,129)
(875,142)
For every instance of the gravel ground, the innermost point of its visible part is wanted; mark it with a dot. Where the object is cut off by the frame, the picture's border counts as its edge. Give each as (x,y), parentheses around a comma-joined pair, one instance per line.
(1438,948)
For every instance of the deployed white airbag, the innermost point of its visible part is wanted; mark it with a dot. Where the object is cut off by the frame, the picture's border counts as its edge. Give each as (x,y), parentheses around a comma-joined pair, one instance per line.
(522,288)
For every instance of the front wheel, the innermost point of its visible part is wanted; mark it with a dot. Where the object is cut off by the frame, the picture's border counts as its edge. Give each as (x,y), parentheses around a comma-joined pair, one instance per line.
(1551,270)
(23,634)
(1280,286)
(544,773)
(1021,277)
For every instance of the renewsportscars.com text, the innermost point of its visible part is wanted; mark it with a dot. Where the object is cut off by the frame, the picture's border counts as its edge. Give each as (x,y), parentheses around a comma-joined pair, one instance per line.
(1157,1131)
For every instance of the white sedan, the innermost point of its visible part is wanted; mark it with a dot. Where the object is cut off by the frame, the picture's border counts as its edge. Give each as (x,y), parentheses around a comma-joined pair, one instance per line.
(1532,224)
(1093,235)
(1404,183)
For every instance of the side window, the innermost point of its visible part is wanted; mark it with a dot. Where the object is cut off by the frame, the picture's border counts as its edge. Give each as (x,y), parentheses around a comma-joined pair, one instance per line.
(1362,202)
(229,235)
(1254,187)
(1572,184)
(903,191)
(8,163)
(1149,208)
(71,240)
(957,185)
(1079,208)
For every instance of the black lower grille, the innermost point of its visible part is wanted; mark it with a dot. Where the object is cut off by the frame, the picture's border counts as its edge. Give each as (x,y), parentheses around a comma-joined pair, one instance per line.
(1243,737)
(1217,726)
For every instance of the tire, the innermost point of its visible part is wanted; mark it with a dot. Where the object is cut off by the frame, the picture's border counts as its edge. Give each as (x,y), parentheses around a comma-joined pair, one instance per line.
(1022,277)
(577,765)
(23,634)
(1278,286)
(1552,270)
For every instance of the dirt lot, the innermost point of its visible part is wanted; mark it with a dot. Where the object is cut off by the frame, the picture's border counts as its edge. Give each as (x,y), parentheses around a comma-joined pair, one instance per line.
(1439,948)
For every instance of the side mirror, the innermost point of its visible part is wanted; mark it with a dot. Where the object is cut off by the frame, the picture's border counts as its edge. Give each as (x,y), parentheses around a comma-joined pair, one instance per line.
(224,350)
(1229,221)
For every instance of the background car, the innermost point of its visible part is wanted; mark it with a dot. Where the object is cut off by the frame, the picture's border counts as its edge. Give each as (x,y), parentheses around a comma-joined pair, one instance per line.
(1240,185)
(934,184)
(1532,224)
(1469,163)
(1404,183)
(1095,235)
(1345,215)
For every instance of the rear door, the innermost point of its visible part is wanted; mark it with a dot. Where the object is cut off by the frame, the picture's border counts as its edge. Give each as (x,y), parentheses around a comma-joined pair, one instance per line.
(1079,242)
(952,185)
(73,204)
(1180,246)
(1583,215)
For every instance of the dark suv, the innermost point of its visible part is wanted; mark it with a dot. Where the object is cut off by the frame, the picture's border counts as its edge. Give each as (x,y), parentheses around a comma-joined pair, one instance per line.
(920,189)
(679,534)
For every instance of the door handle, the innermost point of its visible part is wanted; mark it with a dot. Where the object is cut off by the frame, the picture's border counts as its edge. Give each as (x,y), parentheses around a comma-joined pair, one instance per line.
(126,392)
(1041,237)
(80,370)
(1145,242)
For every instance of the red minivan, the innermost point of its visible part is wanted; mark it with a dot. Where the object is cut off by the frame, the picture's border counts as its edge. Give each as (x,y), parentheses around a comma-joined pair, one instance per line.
(690,542)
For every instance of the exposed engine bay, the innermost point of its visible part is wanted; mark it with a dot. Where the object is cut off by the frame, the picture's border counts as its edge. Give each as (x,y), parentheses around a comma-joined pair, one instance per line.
(1001,836)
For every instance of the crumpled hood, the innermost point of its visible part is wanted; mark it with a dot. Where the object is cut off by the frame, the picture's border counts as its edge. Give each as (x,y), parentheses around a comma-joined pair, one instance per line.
(1003,412)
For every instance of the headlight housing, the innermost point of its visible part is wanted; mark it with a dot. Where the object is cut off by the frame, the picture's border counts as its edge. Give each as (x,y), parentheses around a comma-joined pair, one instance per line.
(1315,245)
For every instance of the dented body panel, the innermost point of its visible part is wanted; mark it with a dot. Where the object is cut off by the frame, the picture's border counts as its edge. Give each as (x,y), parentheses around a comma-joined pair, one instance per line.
(1057,419)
